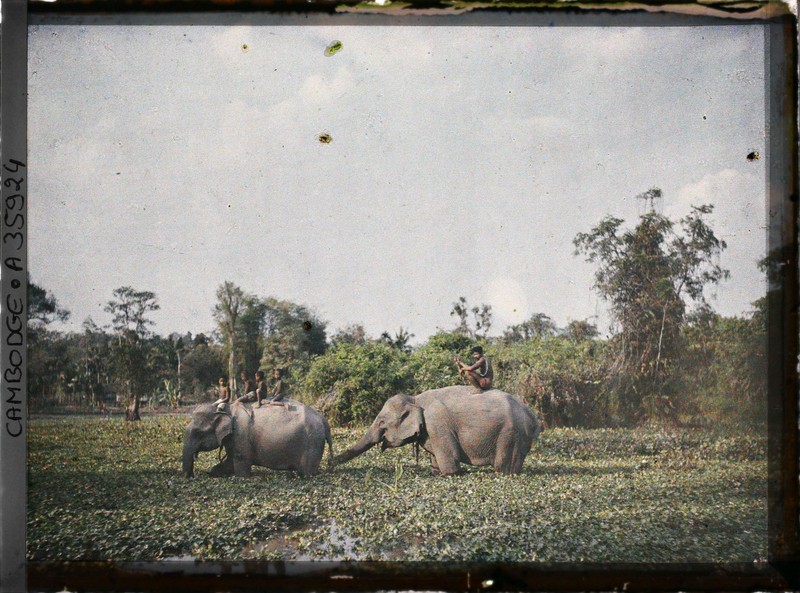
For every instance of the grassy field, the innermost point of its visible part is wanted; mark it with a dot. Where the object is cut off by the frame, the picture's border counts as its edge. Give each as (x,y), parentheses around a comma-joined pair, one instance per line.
(108,489)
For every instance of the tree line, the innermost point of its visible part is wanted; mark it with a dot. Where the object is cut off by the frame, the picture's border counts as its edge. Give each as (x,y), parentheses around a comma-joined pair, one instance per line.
(669,358)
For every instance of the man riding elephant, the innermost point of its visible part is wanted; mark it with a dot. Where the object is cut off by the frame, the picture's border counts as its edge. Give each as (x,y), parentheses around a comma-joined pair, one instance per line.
(258,394)
(224,392)
(247,384)
(455,425)
(480,373)
(288,437)
(273,391)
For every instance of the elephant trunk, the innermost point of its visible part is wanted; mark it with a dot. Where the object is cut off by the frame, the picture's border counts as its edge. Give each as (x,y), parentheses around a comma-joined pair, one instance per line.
(188,459)
(371,438)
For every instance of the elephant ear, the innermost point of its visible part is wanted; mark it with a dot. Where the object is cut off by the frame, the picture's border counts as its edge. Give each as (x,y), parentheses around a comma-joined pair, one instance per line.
(412,420)
(223,426)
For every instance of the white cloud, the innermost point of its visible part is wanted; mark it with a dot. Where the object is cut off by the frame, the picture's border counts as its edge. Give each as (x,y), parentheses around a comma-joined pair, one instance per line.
(739,218)
(535,133)
(738,200)
(620,43)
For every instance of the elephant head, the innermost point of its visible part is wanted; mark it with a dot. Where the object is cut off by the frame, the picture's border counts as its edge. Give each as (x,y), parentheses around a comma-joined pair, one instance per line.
(400,421)
(207,431)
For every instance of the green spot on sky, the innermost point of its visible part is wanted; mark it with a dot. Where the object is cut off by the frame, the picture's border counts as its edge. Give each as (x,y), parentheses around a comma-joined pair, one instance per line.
(334,47)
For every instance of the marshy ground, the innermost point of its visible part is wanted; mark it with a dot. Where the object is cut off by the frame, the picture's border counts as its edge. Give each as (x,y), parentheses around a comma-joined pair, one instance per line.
(103,488)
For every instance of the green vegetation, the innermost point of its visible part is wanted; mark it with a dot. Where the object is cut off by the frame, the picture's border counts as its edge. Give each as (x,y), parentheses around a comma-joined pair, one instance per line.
(669,360)
(109,489)
(649,275)
(356,379)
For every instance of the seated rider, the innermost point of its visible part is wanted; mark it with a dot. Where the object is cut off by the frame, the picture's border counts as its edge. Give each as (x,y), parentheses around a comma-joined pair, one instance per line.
(257,394)
(276,386)
(480,373)
(224,393)
(247,384)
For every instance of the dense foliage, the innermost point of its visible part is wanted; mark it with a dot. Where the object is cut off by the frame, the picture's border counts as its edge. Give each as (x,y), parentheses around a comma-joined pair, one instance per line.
(355,380)
(563,379)
(649,274)
(103,489)
(670,359)
(728,359)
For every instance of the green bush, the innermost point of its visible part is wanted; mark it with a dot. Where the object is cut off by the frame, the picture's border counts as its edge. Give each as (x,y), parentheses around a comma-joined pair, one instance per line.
(725,372)
(432,364)
(562,379)
(351,382)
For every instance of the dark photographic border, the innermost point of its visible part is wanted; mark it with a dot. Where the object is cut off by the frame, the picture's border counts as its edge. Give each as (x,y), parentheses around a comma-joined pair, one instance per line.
(781,572)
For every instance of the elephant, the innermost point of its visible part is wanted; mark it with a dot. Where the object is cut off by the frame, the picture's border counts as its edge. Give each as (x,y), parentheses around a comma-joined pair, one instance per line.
(285,436)
(455,425)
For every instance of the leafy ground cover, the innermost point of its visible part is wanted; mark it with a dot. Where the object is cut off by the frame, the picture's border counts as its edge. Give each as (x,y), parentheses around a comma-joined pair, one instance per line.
(107,489)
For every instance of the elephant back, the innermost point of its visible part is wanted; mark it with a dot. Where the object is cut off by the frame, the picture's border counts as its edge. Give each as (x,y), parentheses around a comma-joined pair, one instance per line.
(466,400)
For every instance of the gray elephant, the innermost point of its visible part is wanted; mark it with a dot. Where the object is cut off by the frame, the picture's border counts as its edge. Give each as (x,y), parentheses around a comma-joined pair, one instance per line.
(455,425)
(287,436)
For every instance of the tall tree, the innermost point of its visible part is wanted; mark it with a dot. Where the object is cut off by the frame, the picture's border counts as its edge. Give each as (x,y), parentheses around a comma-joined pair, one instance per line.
(401,339)
(47,351)
(580,330)
(227,312)
(649,274)
(96,348)
(201,366)
(460,311)
(129,310)
(43,308)
(537,325)
(250,335)
(293,335)
(481,318)
(355,333)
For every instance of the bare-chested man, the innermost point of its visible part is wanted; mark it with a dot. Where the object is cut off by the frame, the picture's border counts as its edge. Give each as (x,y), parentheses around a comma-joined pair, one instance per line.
(257,394)
(480,373)
(276,386)
(223,391)
(247,384)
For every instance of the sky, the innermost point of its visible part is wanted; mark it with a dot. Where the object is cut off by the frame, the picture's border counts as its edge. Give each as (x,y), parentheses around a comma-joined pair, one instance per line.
(463,162)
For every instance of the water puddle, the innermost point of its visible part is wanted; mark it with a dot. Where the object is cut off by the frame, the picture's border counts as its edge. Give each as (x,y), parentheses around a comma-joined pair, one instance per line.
(338,546)
(184,558)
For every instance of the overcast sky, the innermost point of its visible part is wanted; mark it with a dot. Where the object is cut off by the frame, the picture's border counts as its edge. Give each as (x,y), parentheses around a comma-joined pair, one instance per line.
(463,162)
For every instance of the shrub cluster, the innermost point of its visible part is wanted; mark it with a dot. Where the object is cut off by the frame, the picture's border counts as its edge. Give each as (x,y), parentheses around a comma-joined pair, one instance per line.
(719,381)
(351,381)
(563,379)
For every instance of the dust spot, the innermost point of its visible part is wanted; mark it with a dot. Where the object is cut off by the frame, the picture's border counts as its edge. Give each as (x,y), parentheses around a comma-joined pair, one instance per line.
(334,47)
(753,156)
(308,326)
(245,48)
(325,138)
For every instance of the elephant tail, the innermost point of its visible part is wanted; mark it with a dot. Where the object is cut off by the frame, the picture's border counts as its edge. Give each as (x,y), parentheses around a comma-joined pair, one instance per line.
(537,425)
(329,440)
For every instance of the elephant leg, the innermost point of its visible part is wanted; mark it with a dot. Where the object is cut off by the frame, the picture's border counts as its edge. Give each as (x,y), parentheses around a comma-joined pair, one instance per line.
(307,468)
(435,466)
(510,453)
(442,440)
(504,455)
(445,459)
(223,469)
(241,467)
